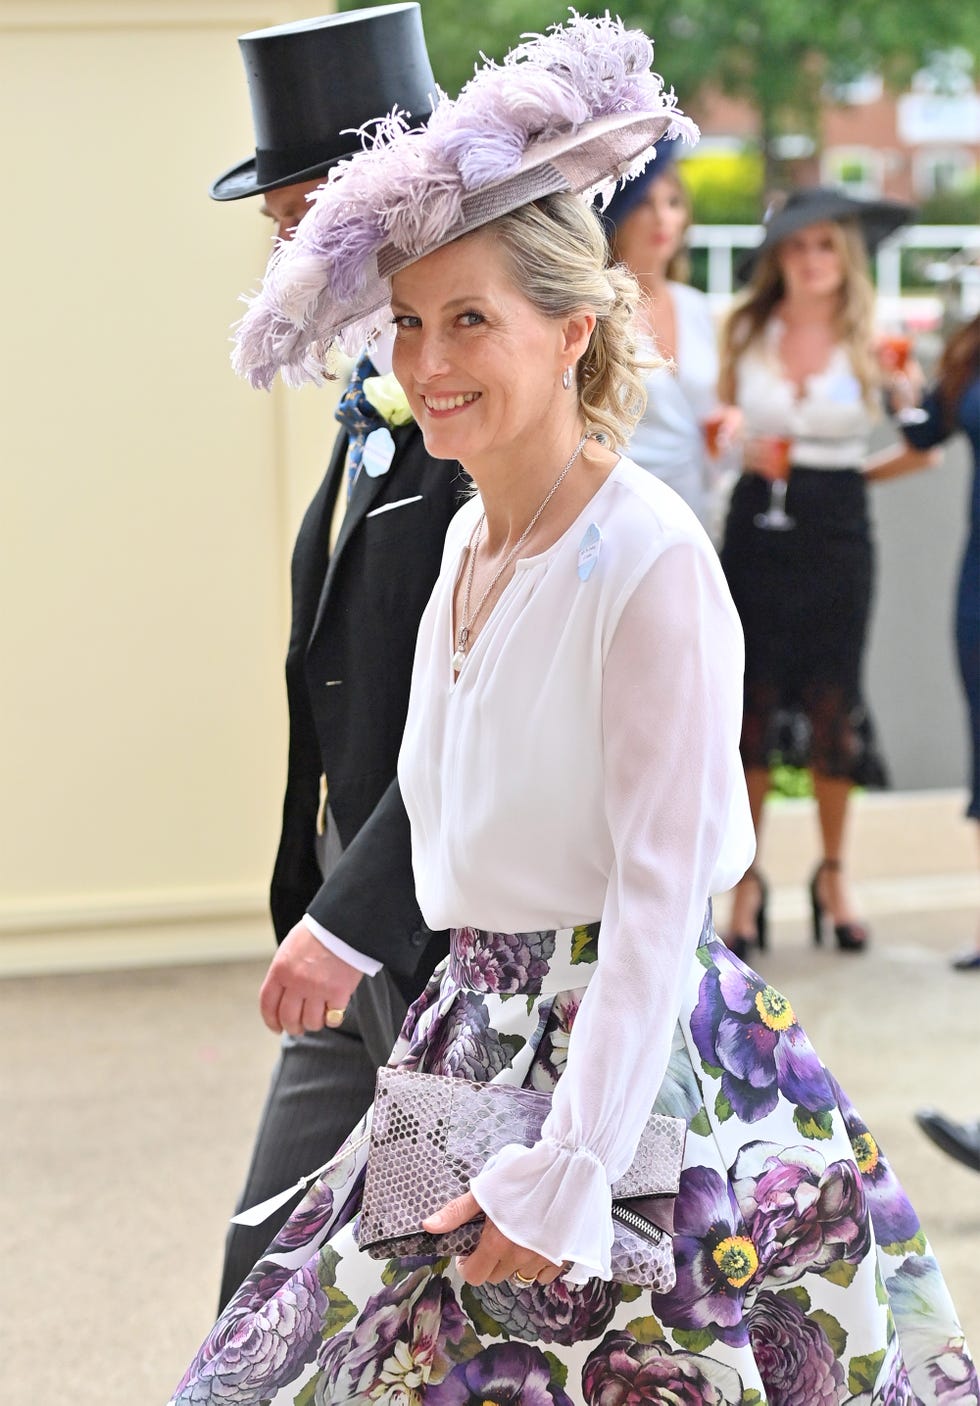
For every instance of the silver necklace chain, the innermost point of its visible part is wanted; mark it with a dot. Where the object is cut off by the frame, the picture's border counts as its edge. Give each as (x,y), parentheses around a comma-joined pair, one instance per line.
(468,621)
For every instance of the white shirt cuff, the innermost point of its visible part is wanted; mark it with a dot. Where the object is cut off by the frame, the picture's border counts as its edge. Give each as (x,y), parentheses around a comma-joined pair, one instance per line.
(370,966)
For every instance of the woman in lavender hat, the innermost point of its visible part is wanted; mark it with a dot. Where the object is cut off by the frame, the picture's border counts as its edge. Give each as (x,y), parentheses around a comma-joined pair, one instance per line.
(570,768)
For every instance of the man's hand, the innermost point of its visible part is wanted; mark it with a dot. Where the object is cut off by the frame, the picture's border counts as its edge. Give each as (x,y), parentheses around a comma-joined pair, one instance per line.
(303,982)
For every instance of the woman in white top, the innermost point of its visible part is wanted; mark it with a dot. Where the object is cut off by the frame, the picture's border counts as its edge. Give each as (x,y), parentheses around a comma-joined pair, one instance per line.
(799,361)
(648,221)
(570,768)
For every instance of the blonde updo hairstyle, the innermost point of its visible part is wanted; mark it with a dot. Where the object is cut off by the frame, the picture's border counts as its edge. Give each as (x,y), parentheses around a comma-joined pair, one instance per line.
(853,322)
(557,256)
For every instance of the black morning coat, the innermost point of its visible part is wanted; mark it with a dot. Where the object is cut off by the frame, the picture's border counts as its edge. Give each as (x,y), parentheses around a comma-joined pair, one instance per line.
(348,670)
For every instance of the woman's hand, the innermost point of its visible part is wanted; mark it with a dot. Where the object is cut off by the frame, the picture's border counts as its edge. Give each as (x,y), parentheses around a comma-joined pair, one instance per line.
(496,1258)
(768,456)
(903,385)
(722,429)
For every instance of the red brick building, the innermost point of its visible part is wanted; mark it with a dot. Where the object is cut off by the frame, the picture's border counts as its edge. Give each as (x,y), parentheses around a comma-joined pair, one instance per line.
(912,146)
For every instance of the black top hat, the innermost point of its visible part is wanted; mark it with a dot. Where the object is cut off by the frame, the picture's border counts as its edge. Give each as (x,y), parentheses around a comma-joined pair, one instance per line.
(313,82)
(815,204)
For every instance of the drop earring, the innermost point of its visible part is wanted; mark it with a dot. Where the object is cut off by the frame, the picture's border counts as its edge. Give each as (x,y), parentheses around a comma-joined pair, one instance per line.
(566,378)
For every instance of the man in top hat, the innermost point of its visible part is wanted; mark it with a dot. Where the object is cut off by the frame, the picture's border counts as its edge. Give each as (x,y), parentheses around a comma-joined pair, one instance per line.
(354,950)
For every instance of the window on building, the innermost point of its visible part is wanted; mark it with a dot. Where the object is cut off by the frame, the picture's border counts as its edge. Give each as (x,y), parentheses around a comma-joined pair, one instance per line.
(857,168)
(942,169)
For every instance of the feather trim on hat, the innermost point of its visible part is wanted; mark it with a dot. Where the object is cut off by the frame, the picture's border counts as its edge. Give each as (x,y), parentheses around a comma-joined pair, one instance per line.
(407,187)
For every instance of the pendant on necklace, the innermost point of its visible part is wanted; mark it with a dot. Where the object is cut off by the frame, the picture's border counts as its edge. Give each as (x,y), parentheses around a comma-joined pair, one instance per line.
(459,659)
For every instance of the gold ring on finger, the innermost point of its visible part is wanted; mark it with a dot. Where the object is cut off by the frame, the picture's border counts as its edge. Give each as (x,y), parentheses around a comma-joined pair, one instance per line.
(518,1278)
(335,1016)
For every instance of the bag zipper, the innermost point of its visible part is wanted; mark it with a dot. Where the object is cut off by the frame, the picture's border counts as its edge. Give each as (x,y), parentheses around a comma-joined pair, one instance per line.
(634,1221)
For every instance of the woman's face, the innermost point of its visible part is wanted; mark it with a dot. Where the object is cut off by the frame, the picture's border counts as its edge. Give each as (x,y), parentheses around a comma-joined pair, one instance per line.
(653,231)
(811,261)
(480,365)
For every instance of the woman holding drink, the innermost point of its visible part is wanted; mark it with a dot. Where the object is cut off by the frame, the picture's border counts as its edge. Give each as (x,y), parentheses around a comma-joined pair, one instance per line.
(799,360)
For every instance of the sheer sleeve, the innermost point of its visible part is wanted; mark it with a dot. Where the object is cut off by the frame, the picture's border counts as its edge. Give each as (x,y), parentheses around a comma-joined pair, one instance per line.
(671,710)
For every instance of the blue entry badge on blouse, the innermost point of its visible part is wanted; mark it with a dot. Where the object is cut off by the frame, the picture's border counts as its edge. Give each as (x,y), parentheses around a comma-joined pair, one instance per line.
(379,450)
(588,552)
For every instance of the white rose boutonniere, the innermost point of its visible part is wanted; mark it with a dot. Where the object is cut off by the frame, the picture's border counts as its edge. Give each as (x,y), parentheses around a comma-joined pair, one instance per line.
(388,398)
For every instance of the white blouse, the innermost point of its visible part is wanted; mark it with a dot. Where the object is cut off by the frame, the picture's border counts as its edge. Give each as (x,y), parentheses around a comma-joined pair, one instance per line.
(584,766)
(830,422)
(669,440)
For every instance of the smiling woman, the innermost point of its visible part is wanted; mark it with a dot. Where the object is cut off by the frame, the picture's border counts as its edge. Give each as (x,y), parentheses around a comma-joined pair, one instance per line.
(570,769)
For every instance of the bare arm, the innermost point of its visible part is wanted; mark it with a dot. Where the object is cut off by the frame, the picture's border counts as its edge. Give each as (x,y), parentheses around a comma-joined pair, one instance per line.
(899,459)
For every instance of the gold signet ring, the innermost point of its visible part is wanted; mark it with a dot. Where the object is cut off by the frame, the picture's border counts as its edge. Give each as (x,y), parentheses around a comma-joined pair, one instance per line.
(335,1017)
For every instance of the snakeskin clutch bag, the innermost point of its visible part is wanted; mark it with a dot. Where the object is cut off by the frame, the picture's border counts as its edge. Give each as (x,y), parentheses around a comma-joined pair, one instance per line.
(430,1136)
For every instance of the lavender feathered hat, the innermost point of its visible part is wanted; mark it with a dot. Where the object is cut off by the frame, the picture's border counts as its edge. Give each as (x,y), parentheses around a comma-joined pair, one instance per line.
(573,110)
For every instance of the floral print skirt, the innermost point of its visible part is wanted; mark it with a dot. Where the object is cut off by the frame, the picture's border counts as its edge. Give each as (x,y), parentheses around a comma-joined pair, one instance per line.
(803,1277)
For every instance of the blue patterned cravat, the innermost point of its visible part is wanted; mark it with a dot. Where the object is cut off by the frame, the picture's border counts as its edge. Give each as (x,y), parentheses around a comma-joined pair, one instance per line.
(358,417)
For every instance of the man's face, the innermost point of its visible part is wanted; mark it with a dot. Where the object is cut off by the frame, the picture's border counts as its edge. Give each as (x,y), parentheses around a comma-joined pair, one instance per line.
(287,205)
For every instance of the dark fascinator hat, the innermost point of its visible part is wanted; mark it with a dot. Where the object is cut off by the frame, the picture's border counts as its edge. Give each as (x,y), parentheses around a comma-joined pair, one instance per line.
(314,83)
(814,205)
(631,194)
(573,110)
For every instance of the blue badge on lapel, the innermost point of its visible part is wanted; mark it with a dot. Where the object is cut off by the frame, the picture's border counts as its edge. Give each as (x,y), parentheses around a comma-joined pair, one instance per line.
(588,552)
(379,450)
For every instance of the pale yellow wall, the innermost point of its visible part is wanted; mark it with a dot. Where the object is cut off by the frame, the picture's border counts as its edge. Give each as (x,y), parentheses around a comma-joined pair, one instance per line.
(149,499)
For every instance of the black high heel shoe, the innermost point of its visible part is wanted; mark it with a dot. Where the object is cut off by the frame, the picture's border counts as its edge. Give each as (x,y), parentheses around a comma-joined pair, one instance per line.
(851,937)
(740,943)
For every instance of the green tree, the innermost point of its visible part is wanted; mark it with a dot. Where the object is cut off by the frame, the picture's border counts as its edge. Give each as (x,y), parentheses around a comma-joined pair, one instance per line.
(458,31)
(779,55)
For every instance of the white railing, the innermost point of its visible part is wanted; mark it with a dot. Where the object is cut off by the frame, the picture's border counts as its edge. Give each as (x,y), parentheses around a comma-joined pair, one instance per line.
(723,242)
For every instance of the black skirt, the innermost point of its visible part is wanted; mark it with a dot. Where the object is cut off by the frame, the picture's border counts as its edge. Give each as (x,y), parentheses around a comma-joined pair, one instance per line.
(804,598)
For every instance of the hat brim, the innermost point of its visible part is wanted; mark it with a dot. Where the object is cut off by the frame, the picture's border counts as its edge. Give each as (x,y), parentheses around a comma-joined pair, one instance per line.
(242,180)
(596,155)
(601,151)
(877,219)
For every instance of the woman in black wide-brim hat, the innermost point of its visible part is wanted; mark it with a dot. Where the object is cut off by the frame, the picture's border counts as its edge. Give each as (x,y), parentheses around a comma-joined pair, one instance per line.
(798,359)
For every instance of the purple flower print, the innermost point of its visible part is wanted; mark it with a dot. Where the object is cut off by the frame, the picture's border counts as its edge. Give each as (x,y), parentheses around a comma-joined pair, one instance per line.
(624,1372)
(716,1261)
(506,1374)
(793,1353)
(550,1313)
(501,962)
(407,1338)
(933,1347)
(894,1220)
(551,1051)
(881,1379)
(803,1215)
(466,1046)
(953,1379)
(306,1222)
(749,1031)
(264,1339)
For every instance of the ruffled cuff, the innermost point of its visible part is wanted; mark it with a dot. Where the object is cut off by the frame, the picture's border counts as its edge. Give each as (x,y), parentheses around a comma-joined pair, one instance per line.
(553,1200)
